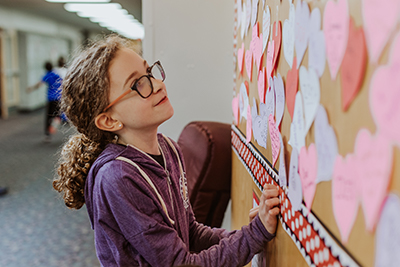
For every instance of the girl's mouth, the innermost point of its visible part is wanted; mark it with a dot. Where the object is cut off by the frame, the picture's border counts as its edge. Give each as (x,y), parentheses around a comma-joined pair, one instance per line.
(164,99)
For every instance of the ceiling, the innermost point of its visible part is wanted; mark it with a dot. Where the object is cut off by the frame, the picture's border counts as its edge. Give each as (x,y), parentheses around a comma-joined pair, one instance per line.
(56,11)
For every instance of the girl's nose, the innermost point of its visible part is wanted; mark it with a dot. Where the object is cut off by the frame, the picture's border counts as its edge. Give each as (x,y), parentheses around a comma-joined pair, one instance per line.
(158,85)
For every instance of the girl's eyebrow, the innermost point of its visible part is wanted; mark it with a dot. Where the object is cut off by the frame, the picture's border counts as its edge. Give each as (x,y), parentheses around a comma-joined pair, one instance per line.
(133,74)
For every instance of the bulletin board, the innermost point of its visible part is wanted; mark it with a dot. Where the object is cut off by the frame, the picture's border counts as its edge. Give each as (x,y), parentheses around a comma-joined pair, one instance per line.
(316,111)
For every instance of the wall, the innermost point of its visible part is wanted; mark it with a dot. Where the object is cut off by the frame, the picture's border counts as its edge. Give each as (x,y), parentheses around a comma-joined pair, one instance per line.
(194,42)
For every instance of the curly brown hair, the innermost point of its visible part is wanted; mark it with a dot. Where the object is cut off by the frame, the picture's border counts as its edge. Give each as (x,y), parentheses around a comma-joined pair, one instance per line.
(85,92)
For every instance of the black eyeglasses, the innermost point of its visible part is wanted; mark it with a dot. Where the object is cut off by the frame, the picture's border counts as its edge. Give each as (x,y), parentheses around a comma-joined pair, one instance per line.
(144,85)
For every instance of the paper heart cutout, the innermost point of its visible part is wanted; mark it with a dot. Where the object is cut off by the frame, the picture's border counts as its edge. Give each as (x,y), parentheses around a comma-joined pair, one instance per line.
(256,46)
(374,167)
(279,99)
(326,144)
(282,165)
(254,11)
(248,15)
(302,31)
(249,63)
(288,36)
(260,127)
(241,58)
(277,38)
(345,192)
(270,101)
(243,21)
(316,47)
(270,60)
(248,125)
(261,85)
(384,95)
(380,19)
(308,168)
(243,100)
(235,109)
(266,26)
(295,193)
(353,66)
(292,81)
(274,136)
(297,137)
(336,32)
(387,234)
(309,85)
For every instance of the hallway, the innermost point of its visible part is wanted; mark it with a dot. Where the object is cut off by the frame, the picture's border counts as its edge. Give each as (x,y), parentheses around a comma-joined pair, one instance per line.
(36,228)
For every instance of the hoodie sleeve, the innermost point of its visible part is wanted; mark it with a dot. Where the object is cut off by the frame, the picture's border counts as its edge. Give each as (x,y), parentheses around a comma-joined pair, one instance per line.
(132,223)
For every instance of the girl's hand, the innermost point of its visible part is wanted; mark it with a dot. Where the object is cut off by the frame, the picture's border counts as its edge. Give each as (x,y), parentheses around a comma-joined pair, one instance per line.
(253,212)
(269,208)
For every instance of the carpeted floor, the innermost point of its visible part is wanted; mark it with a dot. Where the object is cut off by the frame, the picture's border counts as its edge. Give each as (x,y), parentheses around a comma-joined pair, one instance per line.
(36,228)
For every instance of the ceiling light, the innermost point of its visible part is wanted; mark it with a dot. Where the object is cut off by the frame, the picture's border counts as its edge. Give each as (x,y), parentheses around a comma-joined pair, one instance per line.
(78,1)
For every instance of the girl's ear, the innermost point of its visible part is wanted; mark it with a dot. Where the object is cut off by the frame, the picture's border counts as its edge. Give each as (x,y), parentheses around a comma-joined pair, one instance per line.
(104,122)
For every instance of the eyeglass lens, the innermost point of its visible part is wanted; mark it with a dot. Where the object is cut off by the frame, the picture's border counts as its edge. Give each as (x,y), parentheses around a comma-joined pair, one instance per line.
(144,85)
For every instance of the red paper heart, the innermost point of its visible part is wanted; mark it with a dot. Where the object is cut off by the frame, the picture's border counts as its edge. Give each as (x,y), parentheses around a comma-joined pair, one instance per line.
(277,37)
(292,82)
(353,65)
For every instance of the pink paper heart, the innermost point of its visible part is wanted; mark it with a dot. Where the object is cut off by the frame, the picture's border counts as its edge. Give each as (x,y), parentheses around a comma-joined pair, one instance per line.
(277,38)
(235,109)
(308,169)
(345,194)
(374,167)
(270,60)
(354,64)
(248,125)
(249,63)
(292,83)
(385,94)
(274,136)
(380,19)
(241,58)
(261,85)
(258,52)
(336,31)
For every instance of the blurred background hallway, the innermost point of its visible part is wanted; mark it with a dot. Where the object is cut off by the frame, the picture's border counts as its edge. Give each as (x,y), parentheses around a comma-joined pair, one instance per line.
(36,228)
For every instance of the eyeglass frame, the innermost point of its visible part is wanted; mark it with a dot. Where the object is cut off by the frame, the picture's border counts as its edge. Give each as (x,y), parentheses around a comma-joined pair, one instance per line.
(149,75)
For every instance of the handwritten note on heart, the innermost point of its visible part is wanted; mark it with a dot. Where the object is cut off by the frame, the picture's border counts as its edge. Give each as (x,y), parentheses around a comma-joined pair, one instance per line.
(336,31)
(295,192)
(301,30)
(353,66)
(270,101)
(326,143)
(241,58)
(288,36)
(384,95)
(249,63)
(380,19)
(387,245)
(243,101)
(345,194)
(309,85)
(308,167)
(261,85)
(297,137)
(260,126)
(248,125)
(374,166)
(316,47)
(292,82)
(277,38)
(279,99)
(282,165)
(274,136)
(270,60)
(235,109)
(266,26)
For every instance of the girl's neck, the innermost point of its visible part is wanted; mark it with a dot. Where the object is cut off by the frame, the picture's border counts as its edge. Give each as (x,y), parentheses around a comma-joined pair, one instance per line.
(145,141)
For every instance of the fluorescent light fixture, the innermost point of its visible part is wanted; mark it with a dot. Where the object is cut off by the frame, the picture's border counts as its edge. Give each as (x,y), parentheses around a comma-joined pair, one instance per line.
(78,1)
(111,16)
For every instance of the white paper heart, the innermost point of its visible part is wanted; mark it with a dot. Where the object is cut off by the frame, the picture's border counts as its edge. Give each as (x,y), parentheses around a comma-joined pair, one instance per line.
(266,26)
(279,99)
(260,126)
(243,21)
(302,20)
(297,137)
(316,47)
(243,101)
(326,143)
(295,192)
(254,11)
(282,165)
(310,89)
(270,101)
(288,36)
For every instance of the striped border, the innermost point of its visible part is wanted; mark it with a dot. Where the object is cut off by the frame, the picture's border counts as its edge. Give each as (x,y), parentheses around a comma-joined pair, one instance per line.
(315,243)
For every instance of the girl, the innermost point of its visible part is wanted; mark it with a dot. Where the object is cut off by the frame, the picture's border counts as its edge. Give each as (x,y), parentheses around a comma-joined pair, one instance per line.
(131,178)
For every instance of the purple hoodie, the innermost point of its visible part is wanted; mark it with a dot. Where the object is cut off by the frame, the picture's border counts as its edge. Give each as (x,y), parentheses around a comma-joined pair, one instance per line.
(131,226)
